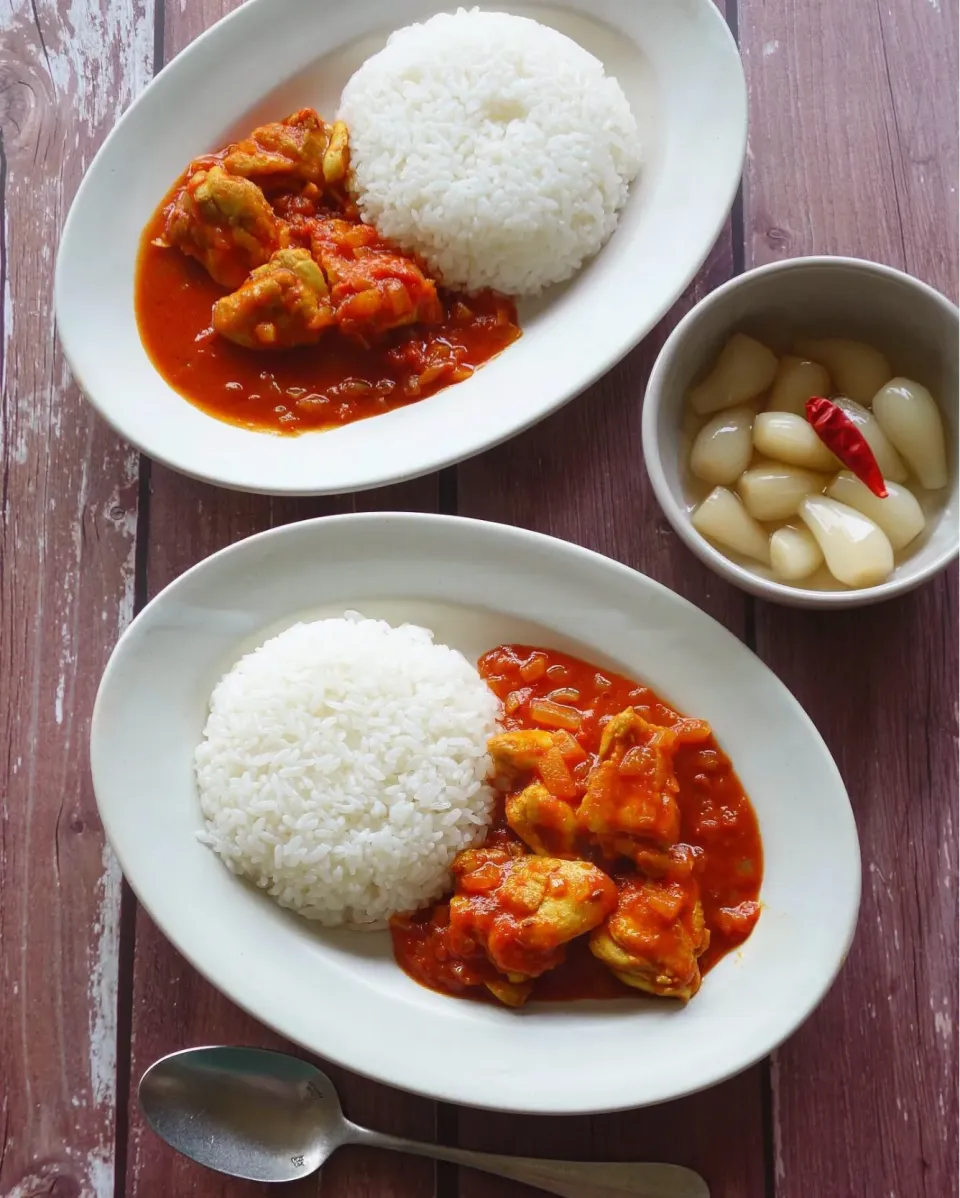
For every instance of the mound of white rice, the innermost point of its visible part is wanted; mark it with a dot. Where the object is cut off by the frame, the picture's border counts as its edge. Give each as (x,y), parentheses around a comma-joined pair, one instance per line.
(342,768)
(493,146)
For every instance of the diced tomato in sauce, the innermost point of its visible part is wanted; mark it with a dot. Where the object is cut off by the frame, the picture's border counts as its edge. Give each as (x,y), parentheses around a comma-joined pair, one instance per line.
(333,383)
(719,833)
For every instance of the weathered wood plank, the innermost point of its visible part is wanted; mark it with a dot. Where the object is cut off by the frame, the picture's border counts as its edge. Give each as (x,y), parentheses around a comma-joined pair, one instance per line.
(175,1008)
(853,111)
(853,117)
(580,474)
(718,1132)
(192,1012)
(67,517)
(187,521)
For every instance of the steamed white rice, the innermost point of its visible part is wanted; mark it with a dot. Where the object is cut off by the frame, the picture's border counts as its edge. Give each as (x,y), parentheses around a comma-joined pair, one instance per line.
(343,767)
(492,146)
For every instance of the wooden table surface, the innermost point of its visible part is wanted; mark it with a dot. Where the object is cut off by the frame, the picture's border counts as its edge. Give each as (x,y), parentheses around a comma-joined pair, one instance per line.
(853,150)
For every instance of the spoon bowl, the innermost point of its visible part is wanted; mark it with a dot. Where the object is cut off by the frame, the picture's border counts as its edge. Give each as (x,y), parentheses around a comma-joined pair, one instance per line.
(248,1112)
(267,1116)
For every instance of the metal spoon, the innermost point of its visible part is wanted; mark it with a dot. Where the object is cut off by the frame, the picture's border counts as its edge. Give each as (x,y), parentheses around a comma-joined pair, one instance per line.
(267,1116)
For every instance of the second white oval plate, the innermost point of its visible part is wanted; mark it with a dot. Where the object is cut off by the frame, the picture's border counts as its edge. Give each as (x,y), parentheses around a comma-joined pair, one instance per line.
(678,64)
(341,994)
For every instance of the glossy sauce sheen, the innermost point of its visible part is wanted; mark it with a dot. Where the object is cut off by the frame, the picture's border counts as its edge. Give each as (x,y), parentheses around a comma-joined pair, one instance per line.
(716,817)
(323,386)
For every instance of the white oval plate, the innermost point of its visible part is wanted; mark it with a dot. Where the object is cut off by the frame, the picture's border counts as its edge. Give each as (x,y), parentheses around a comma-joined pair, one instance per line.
(679,67)
(341,994)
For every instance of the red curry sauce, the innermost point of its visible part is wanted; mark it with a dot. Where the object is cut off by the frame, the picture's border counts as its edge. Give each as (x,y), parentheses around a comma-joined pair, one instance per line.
(717,819)
(296,390)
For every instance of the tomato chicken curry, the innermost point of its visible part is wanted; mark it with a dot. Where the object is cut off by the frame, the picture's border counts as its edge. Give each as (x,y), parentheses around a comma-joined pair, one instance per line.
(263,299)
(624,856)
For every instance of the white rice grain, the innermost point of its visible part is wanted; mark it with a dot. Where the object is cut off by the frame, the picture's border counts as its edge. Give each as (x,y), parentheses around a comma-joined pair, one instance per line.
(492,146)
(343,767)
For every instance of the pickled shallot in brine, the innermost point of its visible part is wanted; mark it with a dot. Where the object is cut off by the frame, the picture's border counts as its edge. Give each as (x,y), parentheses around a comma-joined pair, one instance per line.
(723,518)
(890,463)
(794,554)
(899,514)
(744,369)
(772,491)
(858,552)
(798,379)
(804,473)
(908,415)
(723,447)
(788,438)
(857,369)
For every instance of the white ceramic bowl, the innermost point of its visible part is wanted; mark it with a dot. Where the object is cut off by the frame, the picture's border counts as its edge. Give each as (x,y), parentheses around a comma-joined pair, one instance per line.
(915,326)
(341,994)
(678,65)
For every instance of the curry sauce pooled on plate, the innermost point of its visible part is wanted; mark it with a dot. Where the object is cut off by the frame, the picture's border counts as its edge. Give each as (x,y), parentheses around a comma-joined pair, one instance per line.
(263,299)
(624,855)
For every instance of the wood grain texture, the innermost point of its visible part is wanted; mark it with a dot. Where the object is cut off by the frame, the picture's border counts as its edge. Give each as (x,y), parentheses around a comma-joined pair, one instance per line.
(67,520)
(865,1098)
(184,522)
(718,1132)
(852,150)
(852,145)
(580,475)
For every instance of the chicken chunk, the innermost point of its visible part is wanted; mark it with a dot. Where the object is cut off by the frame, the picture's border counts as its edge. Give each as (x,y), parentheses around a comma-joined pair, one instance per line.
(654,938)
(373,288)
(692,732)
(547,756)
(224,222)
(631,794)
(677,861)
(516,753)
(523,911)
(511,994)
(546,824)
(284,303)
(469,861)
(336,157)
(293,148)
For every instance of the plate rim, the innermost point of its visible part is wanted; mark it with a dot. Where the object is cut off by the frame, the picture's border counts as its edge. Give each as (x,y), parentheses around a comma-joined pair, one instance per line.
(576,554)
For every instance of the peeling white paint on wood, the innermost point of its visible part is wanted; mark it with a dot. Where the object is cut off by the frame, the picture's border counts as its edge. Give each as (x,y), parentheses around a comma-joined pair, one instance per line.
(102,996)
(7,314)
(67,543)
(102,990)
(85,57)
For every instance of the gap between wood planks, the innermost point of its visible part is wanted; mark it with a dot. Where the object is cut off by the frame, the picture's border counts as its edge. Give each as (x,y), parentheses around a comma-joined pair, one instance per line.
(128,901)
(738,238)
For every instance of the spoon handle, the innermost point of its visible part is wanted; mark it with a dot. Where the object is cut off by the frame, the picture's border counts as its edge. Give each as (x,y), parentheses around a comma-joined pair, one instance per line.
(568,1179)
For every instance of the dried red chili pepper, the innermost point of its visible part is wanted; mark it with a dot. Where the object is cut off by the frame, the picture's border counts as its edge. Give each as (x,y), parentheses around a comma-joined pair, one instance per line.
(842,437)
